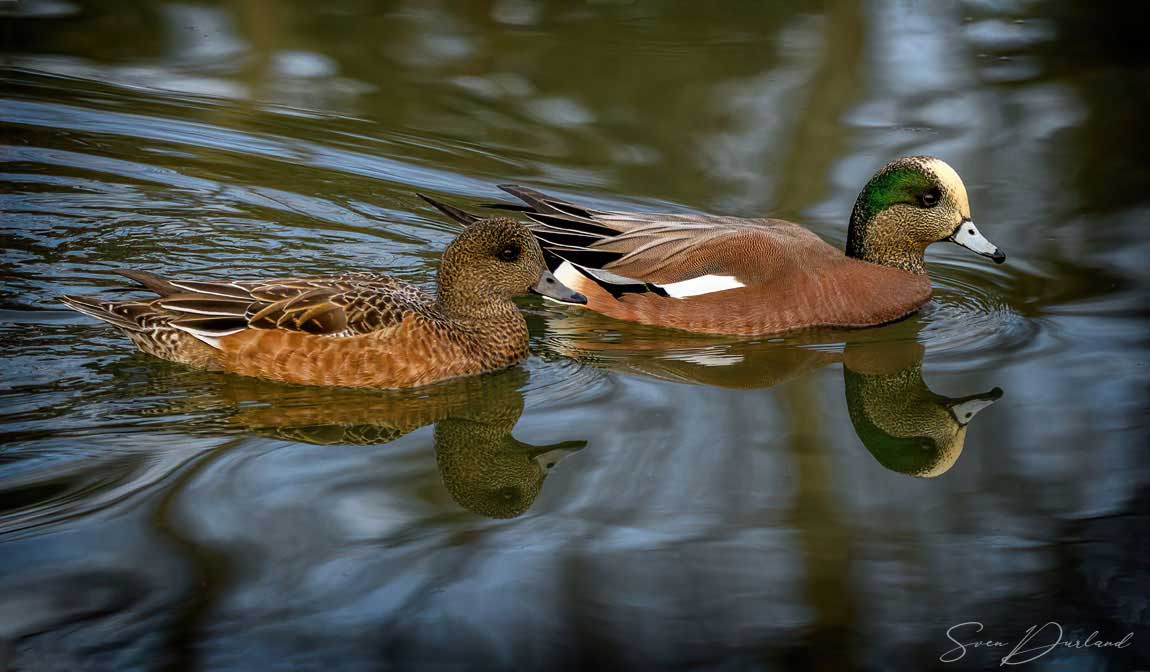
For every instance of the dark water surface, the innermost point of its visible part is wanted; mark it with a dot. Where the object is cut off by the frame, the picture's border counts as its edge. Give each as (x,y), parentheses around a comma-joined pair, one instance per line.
(665,501)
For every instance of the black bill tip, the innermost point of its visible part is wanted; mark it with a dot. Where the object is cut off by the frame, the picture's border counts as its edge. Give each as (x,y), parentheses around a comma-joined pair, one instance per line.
(998,257)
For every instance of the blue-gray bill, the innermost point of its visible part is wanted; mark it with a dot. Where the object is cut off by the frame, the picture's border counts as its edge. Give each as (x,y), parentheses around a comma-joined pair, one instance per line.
(968,235)
(550,287)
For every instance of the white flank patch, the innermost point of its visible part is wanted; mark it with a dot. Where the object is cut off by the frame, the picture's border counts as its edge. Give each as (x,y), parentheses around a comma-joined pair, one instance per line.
(567,274)
(704,284)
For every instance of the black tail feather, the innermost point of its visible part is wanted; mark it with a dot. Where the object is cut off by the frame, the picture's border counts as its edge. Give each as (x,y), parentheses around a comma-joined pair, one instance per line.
(570,225)
(546,204)
(152,281)
(462,216)
(513,207)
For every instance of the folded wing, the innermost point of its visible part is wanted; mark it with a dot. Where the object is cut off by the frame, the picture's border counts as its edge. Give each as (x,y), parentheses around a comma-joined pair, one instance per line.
(675,255)
(340,306)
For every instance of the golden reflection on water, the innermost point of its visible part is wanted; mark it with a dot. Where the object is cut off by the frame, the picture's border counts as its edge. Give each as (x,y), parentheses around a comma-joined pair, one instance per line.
(486,469)
(907,427)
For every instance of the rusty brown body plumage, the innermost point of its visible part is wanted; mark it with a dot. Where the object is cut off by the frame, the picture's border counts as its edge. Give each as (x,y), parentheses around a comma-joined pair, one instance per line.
(793,280)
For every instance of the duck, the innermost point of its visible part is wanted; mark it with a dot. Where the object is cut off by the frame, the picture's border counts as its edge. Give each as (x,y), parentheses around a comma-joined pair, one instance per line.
(355,329)
(753,277)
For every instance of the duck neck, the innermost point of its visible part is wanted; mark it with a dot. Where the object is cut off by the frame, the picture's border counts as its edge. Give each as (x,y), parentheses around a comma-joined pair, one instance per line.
(475,307)
(875,239)
(493,326)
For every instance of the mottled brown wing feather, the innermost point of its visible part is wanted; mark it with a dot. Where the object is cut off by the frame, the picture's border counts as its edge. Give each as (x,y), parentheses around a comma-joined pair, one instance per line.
(346,305)
(316,310)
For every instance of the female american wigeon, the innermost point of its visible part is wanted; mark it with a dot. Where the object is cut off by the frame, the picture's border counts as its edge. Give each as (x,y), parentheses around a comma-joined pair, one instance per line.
(727,275)
(356,329)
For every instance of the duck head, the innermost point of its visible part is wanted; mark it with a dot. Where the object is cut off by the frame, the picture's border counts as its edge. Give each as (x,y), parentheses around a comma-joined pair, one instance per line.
(908,205)
(491,262)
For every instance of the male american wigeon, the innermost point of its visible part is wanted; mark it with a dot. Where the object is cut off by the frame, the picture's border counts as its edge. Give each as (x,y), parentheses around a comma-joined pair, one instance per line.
(727,275)
(355,329)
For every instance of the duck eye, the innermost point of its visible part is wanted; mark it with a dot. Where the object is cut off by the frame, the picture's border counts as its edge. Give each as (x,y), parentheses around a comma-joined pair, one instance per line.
(509,253)
(930,197)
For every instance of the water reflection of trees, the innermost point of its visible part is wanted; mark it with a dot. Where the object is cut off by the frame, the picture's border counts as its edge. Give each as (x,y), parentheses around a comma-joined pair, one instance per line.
(749,106)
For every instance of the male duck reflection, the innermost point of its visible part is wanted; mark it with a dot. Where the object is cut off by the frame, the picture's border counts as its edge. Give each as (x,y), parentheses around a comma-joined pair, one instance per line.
(485,469)
(905,426)
(725,275)
(353,330)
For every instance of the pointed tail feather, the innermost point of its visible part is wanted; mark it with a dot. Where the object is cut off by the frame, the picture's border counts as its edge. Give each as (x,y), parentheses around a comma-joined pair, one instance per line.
(462,216)
(513,207)
(152,281)
(100,310)
(545,204)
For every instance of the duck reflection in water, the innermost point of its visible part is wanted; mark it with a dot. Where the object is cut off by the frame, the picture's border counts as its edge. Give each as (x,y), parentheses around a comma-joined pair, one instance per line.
(906,427)
(485,469)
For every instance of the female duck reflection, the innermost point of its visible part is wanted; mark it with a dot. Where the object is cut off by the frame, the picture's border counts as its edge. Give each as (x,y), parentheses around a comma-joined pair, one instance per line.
(484,468)
(905,426)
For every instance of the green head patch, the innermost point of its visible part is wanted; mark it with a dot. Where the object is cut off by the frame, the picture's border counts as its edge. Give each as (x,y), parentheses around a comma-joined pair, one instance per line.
(905,183)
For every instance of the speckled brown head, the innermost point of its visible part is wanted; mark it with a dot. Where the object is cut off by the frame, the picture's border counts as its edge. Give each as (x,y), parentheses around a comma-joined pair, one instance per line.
(491,262)
(908,205)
